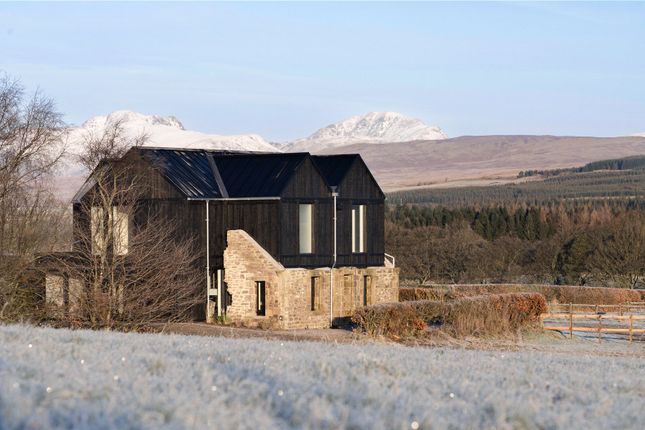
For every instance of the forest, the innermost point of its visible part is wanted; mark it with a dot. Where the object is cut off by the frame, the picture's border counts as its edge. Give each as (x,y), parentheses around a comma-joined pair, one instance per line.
(579,242)
(598,184)
(626,163)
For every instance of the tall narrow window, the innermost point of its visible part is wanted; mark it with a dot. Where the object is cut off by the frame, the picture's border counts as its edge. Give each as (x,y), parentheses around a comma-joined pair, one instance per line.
(117,232)
(97,228)
(306,228)
(358,228)
(367,290)
(120,230)
(260,293)
(315,293)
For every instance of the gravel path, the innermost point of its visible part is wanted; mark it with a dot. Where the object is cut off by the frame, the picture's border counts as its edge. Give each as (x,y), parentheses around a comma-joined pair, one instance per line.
(63,379)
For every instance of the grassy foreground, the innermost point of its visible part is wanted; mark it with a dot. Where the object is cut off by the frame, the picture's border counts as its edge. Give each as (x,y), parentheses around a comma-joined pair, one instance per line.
(63,379)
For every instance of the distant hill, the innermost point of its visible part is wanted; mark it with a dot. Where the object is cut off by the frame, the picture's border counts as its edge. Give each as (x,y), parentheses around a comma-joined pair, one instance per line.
(595,185)
(402,152)
(482,160)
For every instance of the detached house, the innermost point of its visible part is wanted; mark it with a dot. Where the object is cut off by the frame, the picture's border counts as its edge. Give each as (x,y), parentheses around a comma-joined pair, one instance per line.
(287,240)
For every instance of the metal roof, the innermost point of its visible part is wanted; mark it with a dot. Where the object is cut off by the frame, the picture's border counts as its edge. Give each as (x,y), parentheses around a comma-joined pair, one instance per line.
(204,174)
(189,171)
(257,175)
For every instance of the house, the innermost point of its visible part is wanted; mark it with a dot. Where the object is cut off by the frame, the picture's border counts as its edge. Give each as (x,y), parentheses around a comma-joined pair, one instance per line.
(287,240)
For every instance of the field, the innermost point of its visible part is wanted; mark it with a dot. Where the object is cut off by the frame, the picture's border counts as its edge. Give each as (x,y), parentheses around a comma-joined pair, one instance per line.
(64,379)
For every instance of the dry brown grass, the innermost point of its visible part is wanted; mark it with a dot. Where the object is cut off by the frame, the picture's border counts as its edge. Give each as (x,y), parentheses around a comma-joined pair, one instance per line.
(492,314)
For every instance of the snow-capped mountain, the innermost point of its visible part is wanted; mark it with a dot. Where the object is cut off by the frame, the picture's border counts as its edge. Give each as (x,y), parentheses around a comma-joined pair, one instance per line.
(374,127)
(165,132)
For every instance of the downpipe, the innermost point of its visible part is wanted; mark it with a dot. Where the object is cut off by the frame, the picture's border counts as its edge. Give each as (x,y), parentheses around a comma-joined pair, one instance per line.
(333,264)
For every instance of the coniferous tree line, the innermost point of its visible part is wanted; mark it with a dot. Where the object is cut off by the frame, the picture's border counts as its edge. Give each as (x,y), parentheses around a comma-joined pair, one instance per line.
(627,163)
(606,184)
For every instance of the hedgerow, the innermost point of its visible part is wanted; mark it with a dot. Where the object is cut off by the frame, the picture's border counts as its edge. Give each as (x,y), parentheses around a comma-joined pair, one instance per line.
(552,293)
(492,314)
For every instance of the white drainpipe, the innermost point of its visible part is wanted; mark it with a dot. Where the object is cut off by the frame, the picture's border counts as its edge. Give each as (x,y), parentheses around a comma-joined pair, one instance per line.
(331,271)
(208,265)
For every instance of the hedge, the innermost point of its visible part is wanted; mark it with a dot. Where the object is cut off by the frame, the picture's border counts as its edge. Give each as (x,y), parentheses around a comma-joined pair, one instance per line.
(552,293)
(492,314)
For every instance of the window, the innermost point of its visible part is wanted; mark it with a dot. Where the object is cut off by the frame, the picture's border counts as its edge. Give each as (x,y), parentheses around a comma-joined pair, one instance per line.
(118,221)
(120,230)
(358,228)
(97,230)
(315,293)
(367,290)
(260,293)
(306,230)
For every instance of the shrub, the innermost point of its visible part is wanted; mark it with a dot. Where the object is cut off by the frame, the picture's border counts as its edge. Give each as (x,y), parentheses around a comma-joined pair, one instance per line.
(494,314)
(552,293)
(491,314)
(439,294)
(642,295)
(388,319)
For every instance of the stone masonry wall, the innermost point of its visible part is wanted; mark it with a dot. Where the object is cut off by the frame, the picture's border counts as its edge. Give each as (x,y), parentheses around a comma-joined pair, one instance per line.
(289,291)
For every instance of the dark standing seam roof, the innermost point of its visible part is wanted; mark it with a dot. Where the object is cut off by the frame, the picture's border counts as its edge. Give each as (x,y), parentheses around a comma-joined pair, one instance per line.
(220,174)
(334,167)
(255,175)
(189,171)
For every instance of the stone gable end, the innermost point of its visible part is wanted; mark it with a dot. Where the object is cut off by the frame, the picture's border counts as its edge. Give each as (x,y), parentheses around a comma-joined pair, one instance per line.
(289,300)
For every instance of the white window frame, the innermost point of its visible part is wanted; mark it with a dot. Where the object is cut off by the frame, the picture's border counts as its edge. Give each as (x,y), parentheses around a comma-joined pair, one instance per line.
(359,236)
(306,228)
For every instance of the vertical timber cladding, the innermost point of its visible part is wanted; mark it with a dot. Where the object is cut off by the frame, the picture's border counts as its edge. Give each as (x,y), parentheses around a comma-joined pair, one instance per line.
(307,186)
(259,218)
(359,187)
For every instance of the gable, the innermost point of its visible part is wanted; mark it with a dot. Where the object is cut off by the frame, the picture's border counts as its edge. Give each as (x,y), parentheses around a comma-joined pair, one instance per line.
(152,183)
(350,175)
(306,182)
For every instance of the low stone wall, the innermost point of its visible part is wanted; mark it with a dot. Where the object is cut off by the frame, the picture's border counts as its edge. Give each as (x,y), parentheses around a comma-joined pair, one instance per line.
(289,300)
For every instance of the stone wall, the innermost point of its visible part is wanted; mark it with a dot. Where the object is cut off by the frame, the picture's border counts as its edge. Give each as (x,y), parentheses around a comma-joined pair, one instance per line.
(289,300)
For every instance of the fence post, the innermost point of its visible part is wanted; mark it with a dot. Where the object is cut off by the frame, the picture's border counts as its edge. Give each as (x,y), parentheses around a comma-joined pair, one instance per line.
(631,327)
(599,328)
(570,320)
(620,309)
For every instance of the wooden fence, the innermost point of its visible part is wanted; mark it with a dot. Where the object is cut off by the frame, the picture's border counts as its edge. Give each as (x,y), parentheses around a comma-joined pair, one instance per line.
(598,317)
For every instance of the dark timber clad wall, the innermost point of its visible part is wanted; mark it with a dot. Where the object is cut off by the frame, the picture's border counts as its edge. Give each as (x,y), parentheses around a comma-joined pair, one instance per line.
(358,187)
(273,223)
(306,186)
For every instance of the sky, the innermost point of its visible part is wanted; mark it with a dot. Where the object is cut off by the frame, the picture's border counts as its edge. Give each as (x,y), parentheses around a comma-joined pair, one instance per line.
(283,70)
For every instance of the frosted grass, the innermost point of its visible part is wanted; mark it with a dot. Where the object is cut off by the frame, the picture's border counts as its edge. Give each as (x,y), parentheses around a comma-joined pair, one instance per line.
(63,379)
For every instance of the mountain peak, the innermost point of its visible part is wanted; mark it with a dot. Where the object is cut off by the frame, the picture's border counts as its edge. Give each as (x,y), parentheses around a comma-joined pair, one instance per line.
(166,131)
(130,118)
(372,127)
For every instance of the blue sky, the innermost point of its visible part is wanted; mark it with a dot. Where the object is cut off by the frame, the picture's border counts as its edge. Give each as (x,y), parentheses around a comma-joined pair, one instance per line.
(283,70)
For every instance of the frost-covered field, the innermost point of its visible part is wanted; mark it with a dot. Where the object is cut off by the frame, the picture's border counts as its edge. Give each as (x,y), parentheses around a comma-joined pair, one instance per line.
(79,379)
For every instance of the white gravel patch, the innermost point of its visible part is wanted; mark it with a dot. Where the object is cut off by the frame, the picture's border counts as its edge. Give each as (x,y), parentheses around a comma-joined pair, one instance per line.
(61,379)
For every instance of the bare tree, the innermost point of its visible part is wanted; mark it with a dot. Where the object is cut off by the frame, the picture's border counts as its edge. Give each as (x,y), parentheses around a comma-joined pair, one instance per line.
(130,268)
(619,257)
(31,145)
(111,142)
